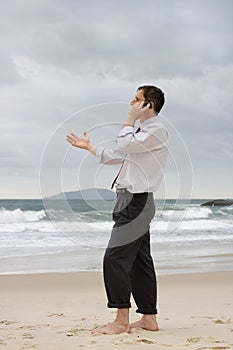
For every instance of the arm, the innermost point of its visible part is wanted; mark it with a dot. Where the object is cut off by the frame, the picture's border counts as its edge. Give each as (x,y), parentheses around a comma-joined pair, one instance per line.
(104,155)
(107,156)
(148,139)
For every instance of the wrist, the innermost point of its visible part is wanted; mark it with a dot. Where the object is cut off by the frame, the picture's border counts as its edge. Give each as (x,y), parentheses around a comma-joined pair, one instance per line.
(127,124)
(129,121)
(91,148)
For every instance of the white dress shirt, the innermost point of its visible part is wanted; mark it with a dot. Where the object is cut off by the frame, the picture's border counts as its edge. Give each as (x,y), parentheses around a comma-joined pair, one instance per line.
(143,155)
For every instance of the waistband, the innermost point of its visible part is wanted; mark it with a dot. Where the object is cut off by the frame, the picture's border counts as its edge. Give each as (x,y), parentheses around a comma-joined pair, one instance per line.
(124,190)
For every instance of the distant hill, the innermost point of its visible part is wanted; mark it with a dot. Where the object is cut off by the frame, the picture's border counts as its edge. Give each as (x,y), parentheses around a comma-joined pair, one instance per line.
(88,193)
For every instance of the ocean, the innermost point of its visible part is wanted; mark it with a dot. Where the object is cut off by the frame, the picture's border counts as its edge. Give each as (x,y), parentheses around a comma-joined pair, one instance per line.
(185,237)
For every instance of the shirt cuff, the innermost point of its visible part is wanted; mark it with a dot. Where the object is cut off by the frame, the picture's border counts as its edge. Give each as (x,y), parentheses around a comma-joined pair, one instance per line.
(126,130)
(99,152)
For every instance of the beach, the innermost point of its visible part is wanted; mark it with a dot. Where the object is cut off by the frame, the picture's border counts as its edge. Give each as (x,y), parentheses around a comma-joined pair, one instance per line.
(52,295)
(59,311)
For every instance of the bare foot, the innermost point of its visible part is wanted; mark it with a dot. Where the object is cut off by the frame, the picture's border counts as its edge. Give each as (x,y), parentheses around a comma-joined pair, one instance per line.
(147,322)
(113,328)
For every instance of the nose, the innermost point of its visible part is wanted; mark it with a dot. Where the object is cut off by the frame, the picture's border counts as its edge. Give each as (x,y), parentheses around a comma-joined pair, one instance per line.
(132,102)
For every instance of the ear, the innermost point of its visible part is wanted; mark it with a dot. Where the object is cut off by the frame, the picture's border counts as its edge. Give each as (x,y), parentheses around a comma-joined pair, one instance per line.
(153,102)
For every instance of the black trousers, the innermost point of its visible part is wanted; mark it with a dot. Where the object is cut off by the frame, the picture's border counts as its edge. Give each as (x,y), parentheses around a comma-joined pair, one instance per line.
(128,265)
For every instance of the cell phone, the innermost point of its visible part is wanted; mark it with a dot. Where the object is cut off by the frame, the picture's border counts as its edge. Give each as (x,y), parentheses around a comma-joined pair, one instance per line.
(146,103)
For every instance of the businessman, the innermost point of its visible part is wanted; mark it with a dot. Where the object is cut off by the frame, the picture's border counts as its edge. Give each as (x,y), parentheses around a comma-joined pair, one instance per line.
(128,266)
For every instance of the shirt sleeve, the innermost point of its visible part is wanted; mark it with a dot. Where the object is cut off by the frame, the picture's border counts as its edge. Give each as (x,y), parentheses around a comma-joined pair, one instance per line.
(108,156)
(147,139)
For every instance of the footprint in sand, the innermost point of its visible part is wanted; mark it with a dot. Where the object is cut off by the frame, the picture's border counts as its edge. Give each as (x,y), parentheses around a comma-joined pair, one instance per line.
(2,342)
(7,323)
(33,327)
(222,321)
(74,332)
(11,336)
(194,340)
(210,339)
(57,314)
(133,342)
(27,327)
(28,336)
(28,346)
(145,341)
(215,348)
(92,342)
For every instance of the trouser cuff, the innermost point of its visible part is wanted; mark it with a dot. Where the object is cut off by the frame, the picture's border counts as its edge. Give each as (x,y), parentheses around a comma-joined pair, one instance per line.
(119,306)
(147,311)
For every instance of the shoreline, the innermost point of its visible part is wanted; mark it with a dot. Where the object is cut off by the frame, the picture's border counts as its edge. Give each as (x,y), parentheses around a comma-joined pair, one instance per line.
(54,274)
(169,259)
(163,271)
(57,311)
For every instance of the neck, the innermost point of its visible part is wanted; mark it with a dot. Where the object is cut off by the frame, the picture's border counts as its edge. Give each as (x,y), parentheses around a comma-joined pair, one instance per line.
(151,116)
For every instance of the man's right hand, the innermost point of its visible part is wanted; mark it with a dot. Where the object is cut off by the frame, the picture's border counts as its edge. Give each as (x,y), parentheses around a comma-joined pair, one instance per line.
(137,111)
(80,142)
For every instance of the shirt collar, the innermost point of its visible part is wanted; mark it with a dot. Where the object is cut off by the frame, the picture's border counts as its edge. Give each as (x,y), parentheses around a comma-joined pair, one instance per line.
(149,121)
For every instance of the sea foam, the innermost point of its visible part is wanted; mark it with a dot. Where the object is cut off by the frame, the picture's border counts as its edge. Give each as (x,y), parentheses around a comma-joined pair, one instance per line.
(18,215)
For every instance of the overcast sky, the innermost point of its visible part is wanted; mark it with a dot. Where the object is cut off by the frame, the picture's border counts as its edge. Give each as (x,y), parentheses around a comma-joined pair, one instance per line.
(61,57)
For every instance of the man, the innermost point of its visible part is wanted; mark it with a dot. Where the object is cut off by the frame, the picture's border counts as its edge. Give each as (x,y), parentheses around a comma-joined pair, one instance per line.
(128,265)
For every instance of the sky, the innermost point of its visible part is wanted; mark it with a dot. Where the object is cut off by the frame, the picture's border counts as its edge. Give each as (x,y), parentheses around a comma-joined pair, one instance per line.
(69,66)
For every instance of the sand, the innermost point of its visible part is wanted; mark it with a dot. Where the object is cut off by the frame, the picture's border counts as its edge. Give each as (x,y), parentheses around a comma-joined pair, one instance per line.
(59,311)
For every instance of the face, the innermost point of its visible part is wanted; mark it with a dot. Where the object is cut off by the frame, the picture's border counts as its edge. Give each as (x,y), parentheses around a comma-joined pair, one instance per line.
(139,97)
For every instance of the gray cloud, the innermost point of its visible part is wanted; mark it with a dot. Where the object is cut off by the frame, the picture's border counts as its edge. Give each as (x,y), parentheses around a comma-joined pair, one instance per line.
(130,41)
(8,71)
(58,58)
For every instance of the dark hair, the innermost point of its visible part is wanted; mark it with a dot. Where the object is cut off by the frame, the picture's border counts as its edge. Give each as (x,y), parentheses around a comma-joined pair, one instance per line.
(155,94)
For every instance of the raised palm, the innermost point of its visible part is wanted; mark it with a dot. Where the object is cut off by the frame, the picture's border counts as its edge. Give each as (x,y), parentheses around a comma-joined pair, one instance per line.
(80,142)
